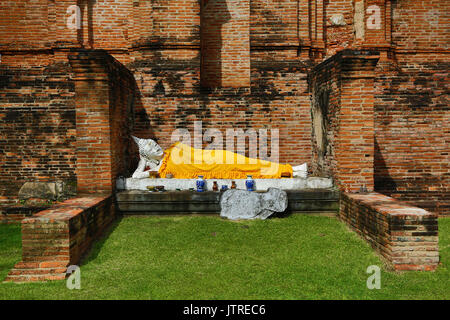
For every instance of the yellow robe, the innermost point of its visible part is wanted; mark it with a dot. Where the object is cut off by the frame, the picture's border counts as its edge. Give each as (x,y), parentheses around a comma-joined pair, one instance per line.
(185,162)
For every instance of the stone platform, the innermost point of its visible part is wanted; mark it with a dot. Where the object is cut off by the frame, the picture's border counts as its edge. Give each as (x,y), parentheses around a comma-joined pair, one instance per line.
(138,202)
(260,184)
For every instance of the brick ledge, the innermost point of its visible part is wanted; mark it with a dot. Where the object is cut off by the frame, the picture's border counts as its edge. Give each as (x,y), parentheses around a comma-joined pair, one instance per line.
(58,237)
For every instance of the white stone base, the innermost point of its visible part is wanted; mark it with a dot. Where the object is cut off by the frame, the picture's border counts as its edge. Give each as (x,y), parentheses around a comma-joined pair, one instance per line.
(260,184)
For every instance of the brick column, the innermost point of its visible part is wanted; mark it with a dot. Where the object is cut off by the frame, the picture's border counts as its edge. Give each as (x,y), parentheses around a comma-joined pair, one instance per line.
(93,144)
(343,119)
(355,136)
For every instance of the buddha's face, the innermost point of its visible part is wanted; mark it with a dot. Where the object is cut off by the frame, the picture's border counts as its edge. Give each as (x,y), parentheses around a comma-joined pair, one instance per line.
(149,149)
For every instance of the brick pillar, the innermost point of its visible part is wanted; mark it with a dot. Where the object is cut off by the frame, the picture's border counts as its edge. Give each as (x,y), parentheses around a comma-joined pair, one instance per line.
(343,119)
(355,135)
(93,146)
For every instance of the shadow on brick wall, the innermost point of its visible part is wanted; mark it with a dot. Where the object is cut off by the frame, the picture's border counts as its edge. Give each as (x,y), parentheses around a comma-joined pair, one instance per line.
(382,180)
(141,127)
(214,15)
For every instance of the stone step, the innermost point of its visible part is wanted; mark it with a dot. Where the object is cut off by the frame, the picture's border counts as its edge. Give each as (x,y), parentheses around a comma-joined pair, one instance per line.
(35,277)
(41,264)
(38,258)
(136,202)
(37,271)
(25,271)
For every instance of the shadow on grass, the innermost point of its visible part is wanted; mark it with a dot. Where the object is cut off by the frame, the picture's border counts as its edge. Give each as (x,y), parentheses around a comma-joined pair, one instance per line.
(92,253)
(288,213)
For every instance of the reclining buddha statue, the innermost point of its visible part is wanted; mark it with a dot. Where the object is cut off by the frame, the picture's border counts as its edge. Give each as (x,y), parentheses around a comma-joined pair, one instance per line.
(185,162)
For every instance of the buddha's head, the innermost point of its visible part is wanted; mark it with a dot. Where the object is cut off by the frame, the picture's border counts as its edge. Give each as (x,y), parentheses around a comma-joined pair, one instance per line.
(149,149)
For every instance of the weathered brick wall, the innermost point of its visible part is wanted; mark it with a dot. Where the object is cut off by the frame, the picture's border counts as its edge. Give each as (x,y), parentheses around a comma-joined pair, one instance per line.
(58,237)
(23,24)
(225,44)
(105,23)
(412,158)
(407,237)
(420,24)
(274,23)
(171,97)
(174,22)
(37,115)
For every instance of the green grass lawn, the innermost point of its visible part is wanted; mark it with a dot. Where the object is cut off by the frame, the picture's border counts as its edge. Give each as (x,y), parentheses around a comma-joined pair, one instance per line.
(299,257)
